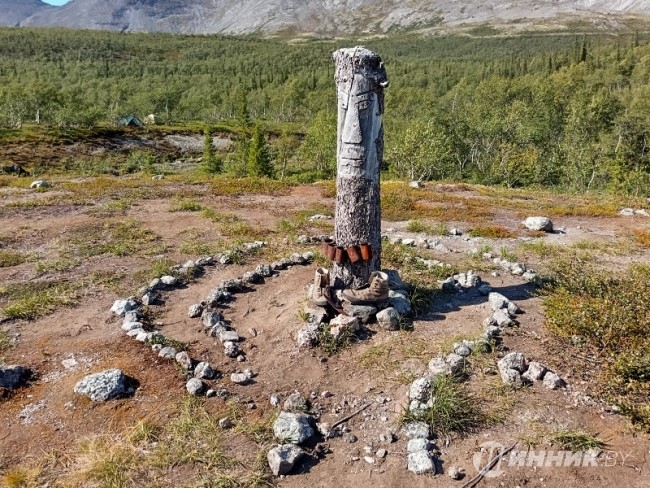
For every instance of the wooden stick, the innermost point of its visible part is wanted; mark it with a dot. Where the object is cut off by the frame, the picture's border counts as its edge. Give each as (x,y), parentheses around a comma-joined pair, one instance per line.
(481,474)
(345,419)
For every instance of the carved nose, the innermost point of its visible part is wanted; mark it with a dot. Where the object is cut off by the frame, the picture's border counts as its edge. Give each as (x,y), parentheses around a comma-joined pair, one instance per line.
(352,129)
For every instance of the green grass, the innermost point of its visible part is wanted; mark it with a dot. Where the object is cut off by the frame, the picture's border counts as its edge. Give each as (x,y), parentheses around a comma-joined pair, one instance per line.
(36,299)
(186,205)
(385,361)
(576,440)
(55,265)
(228,185)
(610,313)
(10,258)
(191,442)
(113,208)
(120,238)
(418,226)
(452,411)
(332,345)
(491,232)
(5,344)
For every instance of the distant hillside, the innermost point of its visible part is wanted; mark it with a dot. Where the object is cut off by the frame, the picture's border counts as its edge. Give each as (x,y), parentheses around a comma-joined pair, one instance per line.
(13,12)
(317,17)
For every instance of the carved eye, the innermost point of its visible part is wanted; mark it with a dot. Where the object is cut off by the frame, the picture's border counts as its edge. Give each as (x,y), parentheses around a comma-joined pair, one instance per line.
(364,105)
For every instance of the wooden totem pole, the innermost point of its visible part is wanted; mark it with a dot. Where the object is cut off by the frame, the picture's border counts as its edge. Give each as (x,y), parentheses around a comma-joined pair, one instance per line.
(360,81)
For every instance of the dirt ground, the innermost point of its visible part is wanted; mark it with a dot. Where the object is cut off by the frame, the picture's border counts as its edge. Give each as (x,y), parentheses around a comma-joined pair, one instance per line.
(65,345)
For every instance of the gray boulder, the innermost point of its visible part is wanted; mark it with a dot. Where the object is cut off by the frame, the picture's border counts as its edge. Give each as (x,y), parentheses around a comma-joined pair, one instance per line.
(539,224)
(194,386)
(39,184)
(399,300)
(420,389)
(388,319)
(293,428)
(364,313)
(228,335)
(418,444)
(497,301)
(455,362)
(512,377)
(103,386)
(231,349)
(502,318)
(184,360)
(203,370)
(195,310)
(295,402)
(129,326)
(420,462)
(535,371)
(416,430)
(242,378)
(13,376)
(283,458)
(169,280)
(552,381)
(513,360)
(121,307)
(210,318)
(168,352)
(439,367)
(308,336)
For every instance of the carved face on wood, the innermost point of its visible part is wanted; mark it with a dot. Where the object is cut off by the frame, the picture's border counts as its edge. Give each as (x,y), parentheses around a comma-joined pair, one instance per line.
(359,128)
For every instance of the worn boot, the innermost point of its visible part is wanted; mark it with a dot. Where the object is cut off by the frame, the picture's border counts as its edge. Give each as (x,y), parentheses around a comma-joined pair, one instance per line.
(321,282)
(375,291)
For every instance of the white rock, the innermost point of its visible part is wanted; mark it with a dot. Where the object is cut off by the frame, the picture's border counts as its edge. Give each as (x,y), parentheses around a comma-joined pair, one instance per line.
(127,326)
(194,386)
(283,458)
(416,430)
(420,463)
(121,307)
(539,223)
(497,301)
(502,318)
(168,280)
(168,353)
(103,386)
(455,362)
(438,366)
(418,444)
(420,389)
(293,428)
(184,360)
(388,319)
(513,360)
(203,370)
(552,381)
(535,371)
(39,184)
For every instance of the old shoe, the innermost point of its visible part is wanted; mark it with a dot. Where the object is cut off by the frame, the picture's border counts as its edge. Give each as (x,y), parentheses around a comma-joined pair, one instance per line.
(374,292)
(321,282)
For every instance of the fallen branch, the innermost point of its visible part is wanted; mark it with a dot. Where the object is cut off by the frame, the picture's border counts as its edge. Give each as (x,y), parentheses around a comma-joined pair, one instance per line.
(345,419)
(481,474)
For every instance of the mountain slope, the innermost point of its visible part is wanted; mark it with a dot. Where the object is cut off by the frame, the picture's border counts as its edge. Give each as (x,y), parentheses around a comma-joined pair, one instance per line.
(13,12)
(321,17)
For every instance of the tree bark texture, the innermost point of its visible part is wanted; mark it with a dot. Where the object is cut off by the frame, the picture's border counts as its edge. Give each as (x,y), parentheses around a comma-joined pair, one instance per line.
(360,81)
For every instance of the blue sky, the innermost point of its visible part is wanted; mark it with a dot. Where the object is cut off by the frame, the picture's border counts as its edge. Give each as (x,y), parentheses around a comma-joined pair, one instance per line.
(56,2)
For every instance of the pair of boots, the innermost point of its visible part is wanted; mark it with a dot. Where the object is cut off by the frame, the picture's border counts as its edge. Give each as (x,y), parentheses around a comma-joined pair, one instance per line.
(374,292)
